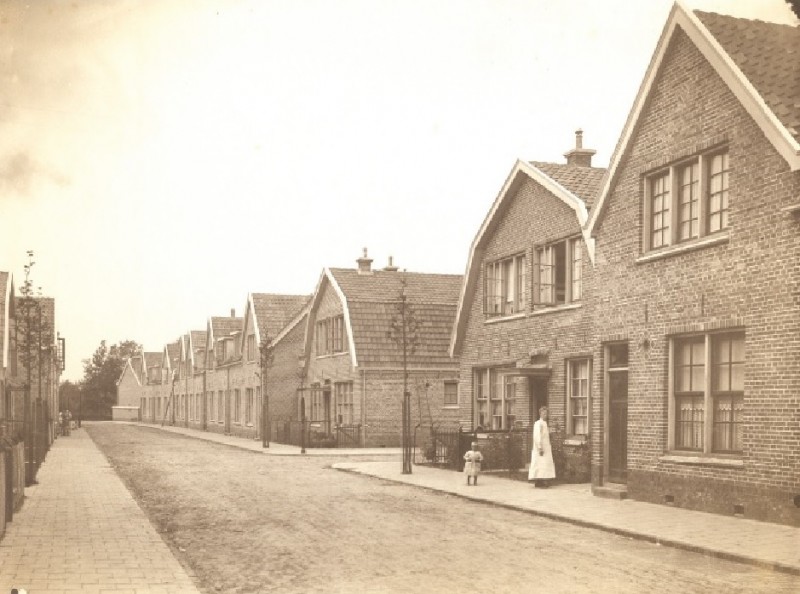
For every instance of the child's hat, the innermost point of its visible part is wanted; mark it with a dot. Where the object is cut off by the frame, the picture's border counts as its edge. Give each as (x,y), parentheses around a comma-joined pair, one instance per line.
(474,443)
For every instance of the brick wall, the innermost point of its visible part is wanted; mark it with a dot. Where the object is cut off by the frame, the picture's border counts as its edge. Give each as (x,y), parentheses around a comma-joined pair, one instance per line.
(751,281)
(383,395)
(532,217)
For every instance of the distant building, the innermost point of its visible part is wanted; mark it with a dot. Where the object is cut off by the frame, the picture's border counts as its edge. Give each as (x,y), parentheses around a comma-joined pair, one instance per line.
(353,359)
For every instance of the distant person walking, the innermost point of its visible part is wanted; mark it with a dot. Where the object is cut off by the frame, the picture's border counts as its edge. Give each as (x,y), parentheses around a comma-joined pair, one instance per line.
(472,464)
(542,468)
(67,422)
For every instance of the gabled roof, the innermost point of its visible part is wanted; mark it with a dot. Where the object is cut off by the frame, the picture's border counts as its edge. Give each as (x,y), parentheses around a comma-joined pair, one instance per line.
(571,184)
(131,363)
(222,327)
(172,353)
(198,339)
(768,54)
(582,182)
(756,60)
(273,312)
(370,303)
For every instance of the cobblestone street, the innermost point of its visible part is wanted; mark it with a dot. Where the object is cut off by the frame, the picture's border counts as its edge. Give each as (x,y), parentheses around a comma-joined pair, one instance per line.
(242,522)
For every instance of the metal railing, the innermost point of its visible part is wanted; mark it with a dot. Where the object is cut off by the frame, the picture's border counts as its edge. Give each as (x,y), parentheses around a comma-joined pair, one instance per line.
(316,435)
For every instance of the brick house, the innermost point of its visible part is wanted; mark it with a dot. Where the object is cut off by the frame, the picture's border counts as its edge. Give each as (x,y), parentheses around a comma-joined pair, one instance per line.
(151,386)
(130,392)
(353,370)
(522,333)
(266,315)
(279,319)
(223,353)
(697,317)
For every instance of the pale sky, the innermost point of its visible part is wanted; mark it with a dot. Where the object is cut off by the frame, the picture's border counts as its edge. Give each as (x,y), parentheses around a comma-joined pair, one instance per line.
(163,159)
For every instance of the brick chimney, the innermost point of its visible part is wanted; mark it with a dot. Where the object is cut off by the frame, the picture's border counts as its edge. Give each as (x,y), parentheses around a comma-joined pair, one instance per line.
(579,156)
(390,267)
(233,312)
(364,264)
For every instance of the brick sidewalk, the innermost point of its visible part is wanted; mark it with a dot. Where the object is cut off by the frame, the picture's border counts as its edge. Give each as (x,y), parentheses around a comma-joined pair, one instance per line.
(760,543)
(80,530)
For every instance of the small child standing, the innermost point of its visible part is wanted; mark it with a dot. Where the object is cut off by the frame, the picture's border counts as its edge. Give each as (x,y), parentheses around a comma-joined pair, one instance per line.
(472,466)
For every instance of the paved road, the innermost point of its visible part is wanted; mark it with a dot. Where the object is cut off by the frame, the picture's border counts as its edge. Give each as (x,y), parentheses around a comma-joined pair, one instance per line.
(250,523)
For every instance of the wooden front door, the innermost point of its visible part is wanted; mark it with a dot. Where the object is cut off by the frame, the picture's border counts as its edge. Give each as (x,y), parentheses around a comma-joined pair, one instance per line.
(618,413)
(538,396)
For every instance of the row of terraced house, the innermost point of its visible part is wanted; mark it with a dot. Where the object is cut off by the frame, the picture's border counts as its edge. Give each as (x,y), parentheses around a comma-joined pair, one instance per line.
(653,306)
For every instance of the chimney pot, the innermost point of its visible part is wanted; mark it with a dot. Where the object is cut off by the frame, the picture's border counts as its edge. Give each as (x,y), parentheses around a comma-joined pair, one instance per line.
(579,156)
(364,264)
(391,267)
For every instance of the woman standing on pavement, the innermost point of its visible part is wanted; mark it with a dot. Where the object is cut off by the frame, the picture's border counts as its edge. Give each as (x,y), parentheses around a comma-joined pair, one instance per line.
(542,468)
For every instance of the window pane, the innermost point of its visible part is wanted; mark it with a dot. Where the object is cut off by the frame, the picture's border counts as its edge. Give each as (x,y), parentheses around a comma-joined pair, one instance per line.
(618,355)
(689,425)
(718,192)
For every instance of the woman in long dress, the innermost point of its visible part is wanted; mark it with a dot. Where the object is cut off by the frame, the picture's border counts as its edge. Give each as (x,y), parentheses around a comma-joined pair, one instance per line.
(542,468)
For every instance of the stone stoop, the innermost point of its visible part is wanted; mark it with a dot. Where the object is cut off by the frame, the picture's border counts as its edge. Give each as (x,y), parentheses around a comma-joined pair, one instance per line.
(611,491)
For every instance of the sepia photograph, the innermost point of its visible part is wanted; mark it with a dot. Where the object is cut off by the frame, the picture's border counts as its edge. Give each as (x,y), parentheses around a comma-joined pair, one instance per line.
(341,296)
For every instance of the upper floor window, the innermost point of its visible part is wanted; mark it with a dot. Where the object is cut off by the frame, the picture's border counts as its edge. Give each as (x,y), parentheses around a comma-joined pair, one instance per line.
(708,392)
(505,286)
(330,336)
(687,200)
(558,273)
(251,347)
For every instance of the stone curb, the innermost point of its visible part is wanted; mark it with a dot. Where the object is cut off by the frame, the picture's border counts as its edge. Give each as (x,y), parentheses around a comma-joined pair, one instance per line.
(677,544)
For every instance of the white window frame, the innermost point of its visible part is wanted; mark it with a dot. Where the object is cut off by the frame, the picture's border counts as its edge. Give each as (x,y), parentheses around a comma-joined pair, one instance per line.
(579,387)
(494,394)
(547,292)
(506,286)
(707,392)
(343,393)
(711,179)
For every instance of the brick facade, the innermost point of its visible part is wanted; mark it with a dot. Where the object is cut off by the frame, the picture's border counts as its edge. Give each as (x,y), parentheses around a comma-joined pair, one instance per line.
(535,345)
(374,384)
(744,279)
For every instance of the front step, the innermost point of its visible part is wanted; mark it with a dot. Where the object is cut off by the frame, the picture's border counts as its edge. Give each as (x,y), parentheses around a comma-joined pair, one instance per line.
(611,491)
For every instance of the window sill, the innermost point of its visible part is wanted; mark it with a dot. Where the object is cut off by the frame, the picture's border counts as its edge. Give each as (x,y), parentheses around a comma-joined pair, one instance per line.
(703,460)
(450,407)
(556,308)
(576,441)
(681,248)
(495,319)
(329,355)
